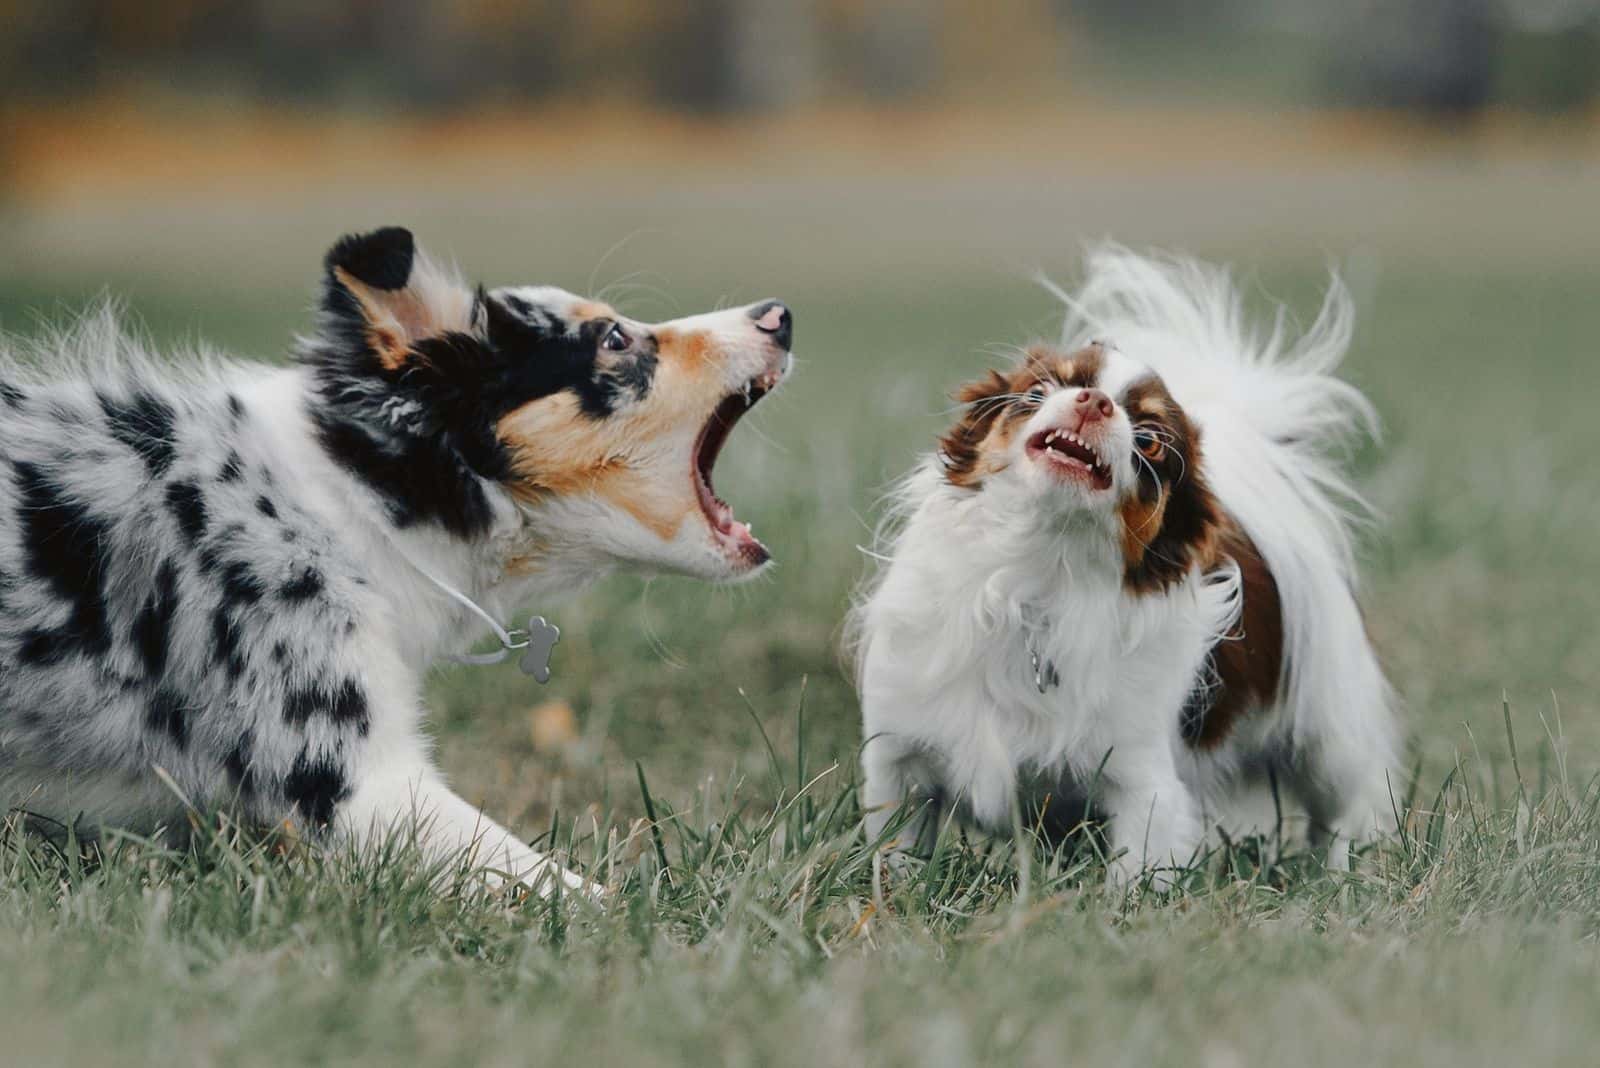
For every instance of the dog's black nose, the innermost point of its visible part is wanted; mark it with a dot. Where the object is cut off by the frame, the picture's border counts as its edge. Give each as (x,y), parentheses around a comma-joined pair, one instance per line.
(772,317)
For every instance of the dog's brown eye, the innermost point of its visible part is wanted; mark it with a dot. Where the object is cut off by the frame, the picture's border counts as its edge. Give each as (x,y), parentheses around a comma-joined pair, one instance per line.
(615,340)
(1148,442)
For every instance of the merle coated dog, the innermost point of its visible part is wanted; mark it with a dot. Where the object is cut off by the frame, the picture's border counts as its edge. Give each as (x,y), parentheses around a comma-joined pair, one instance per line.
(221,582)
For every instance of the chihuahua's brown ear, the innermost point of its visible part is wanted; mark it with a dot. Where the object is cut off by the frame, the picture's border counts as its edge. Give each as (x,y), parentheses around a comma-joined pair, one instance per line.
(982,402)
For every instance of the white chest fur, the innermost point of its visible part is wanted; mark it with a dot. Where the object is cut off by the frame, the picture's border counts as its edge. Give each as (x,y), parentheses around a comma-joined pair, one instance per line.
(947,638)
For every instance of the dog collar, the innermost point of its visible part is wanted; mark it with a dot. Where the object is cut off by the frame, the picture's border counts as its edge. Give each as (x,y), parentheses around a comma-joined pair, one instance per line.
(535,642)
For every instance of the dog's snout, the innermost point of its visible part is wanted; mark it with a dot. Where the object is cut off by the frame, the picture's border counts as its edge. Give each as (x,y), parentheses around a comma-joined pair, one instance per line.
(1092,404)
(773,317)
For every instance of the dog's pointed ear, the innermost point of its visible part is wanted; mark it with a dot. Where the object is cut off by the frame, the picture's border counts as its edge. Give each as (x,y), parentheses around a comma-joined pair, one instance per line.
(383,290)
(381,259)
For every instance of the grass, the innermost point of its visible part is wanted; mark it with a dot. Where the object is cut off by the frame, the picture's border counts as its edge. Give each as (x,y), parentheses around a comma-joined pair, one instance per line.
(746,926)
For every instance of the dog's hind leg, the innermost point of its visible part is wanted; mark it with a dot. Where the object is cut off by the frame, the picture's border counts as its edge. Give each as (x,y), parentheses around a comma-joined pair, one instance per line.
(1345,766)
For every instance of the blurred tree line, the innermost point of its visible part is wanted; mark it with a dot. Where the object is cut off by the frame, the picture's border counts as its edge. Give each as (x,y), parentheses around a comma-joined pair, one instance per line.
(694,55)
(713,56)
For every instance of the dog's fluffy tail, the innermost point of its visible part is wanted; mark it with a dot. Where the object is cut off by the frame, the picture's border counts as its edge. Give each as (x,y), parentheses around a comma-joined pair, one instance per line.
(1276,429)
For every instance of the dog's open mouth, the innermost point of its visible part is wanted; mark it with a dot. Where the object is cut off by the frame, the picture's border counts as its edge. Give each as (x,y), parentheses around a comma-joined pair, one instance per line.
(729,532)
(1069,456)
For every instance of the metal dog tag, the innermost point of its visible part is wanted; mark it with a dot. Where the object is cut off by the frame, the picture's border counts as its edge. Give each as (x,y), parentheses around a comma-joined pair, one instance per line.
(542,638)
(1044,672)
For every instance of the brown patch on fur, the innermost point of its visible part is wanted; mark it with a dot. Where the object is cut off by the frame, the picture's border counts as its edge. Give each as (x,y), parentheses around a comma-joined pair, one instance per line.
(1246,667)
(962,446)
(1081,368)
(1152,406)
(1170,520)
(996,405)
(1141,521)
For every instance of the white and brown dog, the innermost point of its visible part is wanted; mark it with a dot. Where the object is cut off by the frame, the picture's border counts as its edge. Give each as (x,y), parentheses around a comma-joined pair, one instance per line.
(236,574)
(1124,587)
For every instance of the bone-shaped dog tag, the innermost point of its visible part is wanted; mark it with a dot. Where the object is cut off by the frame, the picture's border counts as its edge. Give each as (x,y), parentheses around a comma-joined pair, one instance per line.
(542,638)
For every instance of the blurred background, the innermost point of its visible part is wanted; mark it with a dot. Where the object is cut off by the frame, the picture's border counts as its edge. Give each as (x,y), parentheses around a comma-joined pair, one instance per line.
(898,171)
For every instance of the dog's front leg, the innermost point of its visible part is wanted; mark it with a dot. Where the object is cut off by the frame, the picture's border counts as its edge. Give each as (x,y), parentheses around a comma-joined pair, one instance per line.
(449,828)
(1154,823)
(893,777)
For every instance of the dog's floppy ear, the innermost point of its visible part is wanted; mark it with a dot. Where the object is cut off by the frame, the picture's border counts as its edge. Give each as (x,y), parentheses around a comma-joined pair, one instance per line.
(388,296)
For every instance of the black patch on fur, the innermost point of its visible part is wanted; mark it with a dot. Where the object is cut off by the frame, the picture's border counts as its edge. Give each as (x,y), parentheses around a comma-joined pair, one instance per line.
(40,647)
(152,628)
(419,480)
(280,652)
(237,764)
(235,406)
(534,360)
(266,508)
(381,259)
(345,705)
(226,642)
(636,375)
(303,587)
(240,585)
(12,395)
(316,786)
(66,548)
(232,468)
(165,713)
(145,424)
(188,506)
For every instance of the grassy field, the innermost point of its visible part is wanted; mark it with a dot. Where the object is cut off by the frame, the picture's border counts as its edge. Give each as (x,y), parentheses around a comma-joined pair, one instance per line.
(746,929)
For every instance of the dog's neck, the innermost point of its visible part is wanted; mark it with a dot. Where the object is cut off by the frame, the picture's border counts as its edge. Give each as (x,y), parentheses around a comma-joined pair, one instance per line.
(1035,554)
(413,568)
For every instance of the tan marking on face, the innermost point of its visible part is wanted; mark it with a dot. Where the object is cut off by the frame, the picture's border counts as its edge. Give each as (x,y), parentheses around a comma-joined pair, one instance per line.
(637,461)
(1141,521)
(585,310)
(688,349)
(1081,368)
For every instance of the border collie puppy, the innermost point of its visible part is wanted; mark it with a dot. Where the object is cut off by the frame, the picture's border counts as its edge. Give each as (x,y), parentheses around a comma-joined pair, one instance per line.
(1124,586)
(224,581)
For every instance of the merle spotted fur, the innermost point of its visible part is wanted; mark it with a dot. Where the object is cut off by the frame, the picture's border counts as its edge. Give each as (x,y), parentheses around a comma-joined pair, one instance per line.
(178,589)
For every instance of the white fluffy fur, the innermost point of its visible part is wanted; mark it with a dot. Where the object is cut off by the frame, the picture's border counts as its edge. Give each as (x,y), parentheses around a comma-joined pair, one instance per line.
(951,712)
